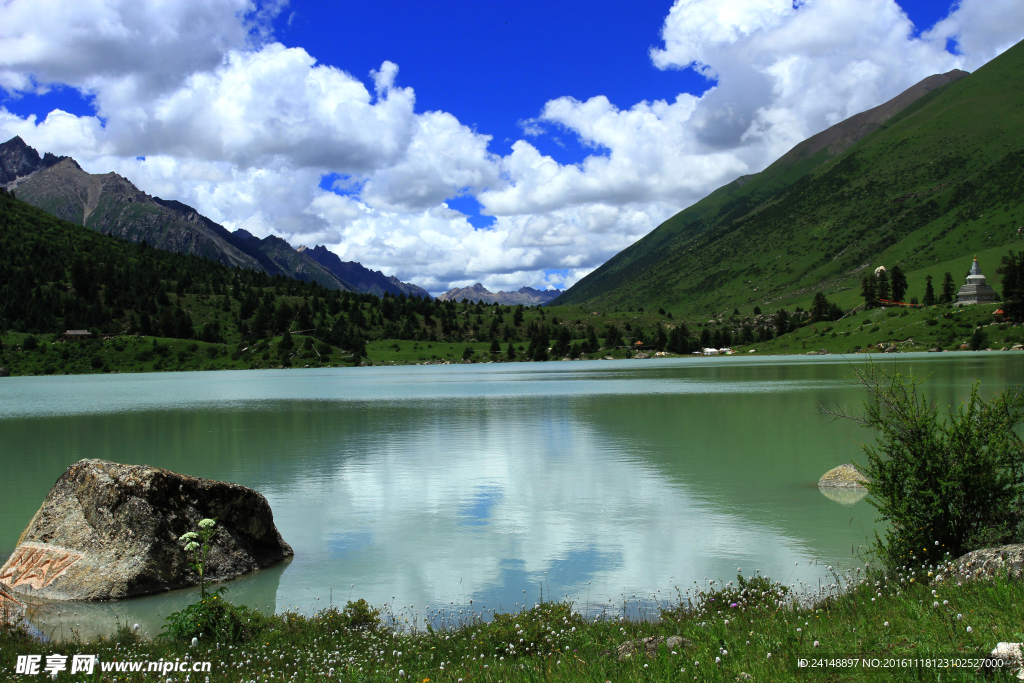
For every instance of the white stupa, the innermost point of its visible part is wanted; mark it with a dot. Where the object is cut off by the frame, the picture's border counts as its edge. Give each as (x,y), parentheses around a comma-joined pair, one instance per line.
(975,291)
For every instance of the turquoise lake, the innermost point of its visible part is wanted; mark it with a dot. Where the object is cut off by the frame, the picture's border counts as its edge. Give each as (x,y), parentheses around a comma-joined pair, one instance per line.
(428,486)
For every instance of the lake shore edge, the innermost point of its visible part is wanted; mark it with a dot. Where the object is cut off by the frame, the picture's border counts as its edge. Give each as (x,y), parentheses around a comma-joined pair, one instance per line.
(865,626)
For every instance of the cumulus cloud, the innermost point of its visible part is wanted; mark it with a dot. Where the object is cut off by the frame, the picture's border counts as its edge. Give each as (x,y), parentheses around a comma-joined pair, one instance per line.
(982,30)
(136,47)
(244,128)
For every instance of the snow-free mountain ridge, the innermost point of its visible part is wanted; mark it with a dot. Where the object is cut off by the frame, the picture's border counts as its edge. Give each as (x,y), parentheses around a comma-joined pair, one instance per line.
(110,203)
(527,296)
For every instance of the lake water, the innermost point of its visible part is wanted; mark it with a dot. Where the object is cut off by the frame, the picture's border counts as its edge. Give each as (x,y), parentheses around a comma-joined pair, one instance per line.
(431,486)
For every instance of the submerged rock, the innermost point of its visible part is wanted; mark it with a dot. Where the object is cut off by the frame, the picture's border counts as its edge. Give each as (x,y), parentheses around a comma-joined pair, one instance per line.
(108,531)
(843,477)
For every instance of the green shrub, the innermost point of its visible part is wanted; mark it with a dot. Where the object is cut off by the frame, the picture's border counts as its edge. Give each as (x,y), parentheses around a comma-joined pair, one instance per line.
(96,362)
(144,355)
(978,339)
(876,328)
(361,615)
(212,352)
(30,343)
(213,618)
(943,483)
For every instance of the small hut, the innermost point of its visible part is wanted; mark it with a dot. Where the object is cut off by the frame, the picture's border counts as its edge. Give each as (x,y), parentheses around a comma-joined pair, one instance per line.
(76,335)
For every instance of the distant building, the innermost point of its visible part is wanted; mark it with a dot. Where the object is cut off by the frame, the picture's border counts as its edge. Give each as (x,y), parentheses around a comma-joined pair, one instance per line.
(71,335)
(975,291)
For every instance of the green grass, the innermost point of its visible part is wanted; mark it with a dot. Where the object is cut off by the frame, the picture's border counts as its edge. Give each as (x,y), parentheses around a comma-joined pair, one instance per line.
(921,329)
(856,616)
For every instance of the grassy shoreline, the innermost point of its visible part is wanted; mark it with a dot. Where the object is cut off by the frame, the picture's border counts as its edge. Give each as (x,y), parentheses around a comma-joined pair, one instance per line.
(749,626)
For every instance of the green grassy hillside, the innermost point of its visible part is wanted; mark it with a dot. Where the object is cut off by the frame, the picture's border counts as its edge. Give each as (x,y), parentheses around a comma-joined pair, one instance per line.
(935,184)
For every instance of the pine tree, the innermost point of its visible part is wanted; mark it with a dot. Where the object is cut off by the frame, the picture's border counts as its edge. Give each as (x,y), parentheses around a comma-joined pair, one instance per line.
(820,308)
(661,341)
(868,291)
(948,288)
(781,321)
(929,292)
(882,285)
(899,283)
(1012,270)
(510,353)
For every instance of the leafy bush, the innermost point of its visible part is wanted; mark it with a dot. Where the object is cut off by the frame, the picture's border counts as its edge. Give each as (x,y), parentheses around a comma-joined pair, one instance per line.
(30,343)
(944,483)
(216,619)
(96,362)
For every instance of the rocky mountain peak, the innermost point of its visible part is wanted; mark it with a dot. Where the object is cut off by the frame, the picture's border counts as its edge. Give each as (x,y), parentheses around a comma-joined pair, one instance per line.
(18,160)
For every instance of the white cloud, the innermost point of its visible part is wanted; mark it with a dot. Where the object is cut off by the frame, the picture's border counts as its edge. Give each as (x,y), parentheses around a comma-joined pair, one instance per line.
(244,128)
(137,47)
(982,29)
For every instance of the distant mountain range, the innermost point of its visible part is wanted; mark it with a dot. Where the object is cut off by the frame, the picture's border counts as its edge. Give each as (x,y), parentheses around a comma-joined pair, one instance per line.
(527,296)
(921,181)
(360,277)
(109,203)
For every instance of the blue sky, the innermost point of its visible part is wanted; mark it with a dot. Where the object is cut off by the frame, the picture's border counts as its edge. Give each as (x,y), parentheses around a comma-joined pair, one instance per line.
(512,143)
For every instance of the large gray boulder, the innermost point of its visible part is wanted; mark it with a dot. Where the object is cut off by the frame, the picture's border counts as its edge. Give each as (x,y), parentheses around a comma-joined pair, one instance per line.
(1005,560)
(109,531)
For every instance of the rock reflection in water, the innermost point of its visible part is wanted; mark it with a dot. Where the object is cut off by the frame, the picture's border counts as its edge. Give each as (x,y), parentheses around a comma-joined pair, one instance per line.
(844,496)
